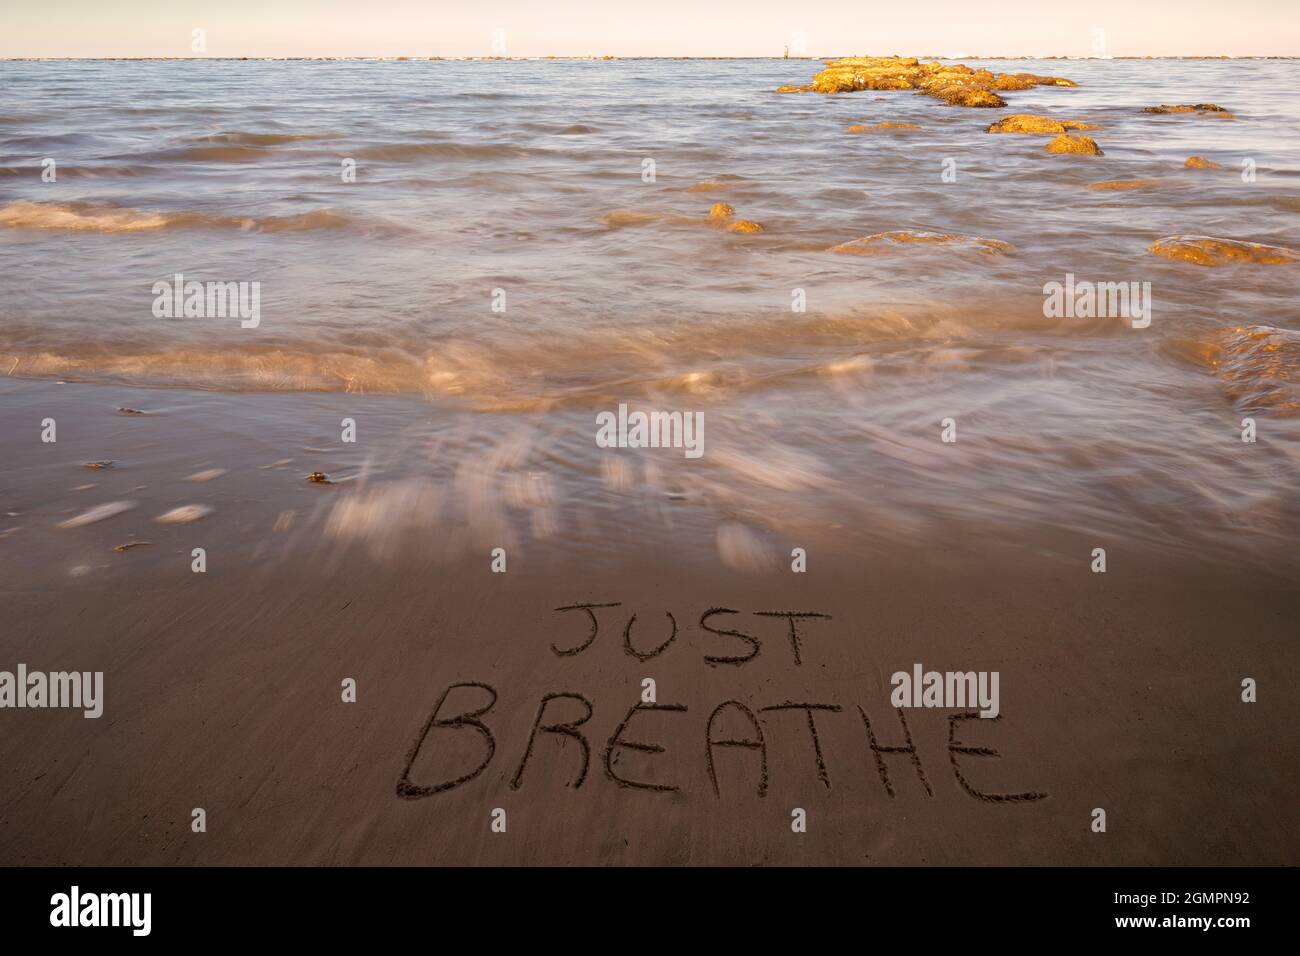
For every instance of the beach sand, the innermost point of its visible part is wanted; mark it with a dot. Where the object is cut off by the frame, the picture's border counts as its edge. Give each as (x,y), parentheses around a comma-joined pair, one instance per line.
(1119,691)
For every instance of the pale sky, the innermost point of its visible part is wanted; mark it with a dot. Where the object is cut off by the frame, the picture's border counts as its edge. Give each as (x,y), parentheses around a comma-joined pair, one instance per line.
(421,28)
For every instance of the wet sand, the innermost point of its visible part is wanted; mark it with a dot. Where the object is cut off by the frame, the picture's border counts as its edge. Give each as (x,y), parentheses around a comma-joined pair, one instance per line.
(222,689)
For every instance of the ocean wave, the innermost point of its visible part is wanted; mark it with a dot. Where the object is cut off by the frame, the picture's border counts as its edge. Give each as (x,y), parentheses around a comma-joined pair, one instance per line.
(209,154)
(521,372)
(264,139)
(81,172)
(398,151)
(107,218)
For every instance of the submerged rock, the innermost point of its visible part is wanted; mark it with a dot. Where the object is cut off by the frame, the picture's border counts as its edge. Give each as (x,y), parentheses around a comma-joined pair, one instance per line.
(721,212)
(956,84)
(628,217)
(886,241)
(857,128)
(1125,184)
(969,96)
(710,186)
(1208,251)
(1200,162)
(1256,365)
(1031,123)
(1074,143)
(1206,108)
(1023,81)
(1027,123)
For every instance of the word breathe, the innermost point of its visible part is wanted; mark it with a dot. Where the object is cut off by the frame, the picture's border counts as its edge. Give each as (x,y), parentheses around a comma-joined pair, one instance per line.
(458,717)
(1100,300)
(103,909)
(458,740)
(208,300)
(950,689)
(56,689)
(651,430)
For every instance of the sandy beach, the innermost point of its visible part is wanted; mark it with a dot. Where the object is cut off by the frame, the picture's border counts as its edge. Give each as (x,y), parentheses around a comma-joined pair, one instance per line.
(222,689)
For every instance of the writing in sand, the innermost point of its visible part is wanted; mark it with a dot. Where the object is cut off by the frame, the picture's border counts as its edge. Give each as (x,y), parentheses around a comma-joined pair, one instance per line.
(464,710)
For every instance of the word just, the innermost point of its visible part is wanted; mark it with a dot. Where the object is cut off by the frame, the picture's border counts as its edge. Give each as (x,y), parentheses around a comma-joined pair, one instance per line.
(750,644)
(208,300)
(1098,300)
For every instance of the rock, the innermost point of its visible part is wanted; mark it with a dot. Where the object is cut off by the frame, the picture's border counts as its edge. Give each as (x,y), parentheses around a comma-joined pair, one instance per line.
(956,84)
(966,96)
(1256,365)
(721,212)
(320,478)
(867,73)
(1074,143)
(795,89)
(1030,123)
(1206,108)
(881,242)
(1023,81)
(1125,184)
(1208,251)
(1027,123)
(1200,162)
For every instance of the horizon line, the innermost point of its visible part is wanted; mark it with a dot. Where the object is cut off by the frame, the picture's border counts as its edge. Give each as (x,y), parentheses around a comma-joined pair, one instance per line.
(610,57)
